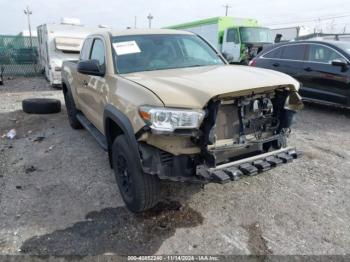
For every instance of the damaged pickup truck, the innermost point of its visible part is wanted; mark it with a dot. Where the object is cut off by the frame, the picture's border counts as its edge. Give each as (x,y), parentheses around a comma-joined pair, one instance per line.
(165,104)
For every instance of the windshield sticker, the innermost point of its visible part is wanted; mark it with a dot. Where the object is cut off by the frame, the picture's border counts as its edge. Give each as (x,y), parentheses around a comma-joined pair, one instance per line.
(125,48)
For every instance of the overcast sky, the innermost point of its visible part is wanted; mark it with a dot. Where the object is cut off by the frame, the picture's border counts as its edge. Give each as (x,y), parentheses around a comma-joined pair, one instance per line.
(120,14)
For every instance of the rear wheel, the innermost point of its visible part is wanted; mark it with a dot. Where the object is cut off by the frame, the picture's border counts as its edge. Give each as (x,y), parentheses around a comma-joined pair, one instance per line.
(71,110)
(139,191)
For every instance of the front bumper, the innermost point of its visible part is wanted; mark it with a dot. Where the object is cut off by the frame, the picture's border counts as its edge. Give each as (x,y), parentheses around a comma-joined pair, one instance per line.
(247,167)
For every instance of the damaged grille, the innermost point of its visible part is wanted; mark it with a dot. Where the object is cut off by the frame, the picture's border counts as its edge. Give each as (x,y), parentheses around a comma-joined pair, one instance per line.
(245,119)
(240,127)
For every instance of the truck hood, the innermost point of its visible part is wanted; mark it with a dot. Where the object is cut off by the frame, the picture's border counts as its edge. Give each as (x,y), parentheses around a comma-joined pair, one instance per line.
(194,87)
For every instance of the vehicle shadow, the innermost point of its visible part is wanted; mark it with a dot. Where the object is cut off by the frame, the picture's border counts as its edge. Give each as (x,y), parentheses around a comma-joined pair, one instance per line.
(116,231)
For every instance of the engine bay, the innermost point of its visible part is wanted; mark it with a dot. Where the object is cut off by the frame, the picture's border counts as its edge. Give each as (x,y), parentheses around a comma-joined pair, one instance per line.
(239,127)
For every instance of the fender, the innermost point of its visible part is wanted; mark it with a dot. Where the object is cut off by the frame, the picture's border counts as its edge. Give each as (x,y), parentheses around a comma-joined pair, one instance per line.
(125,127)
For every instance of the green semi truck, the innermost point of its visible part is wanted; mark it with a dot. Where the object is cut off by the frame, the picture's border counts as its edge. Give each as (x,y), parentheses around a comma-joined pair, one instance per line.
(238,39)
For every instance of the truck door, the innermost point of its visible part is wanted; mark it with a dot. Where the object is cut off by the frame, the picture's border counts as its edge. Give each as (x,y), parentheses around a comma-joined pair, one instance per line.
(94,86)
(80,80)
(231,46)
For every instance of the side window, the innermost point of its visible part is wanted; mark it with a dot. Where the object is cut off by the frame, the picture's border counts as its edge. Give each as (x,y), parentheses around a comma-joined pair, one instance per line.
(98,52)
(232,36)
(85,50)
(294,52)
(322,54)
(275,53)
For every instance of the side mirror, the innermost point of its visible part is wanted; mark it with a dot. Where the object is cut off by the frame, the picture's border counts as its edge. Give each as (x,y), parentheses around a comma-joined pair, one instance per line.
(90,67)
(339,62)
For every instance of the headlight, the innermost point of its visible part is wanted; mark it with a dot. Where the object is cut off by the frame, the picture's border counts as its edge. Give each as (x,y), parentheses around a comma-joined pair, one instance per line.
(169,119)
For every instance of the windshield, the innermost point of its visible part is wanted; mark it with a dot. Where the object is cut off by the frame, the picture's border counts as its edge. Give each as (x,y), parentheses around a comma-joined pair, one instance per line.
(255,35)
(137,53)
(345,46)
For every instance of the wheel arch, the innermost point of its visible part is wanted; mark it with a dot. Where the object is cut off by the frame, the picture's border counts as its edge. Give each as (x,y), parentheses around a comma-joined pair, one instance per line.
(115,124)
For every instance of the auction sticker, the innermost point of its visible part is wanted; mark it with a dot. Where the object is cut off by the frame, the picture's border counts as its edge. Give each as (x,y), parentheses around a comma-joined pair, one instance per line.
(125,48)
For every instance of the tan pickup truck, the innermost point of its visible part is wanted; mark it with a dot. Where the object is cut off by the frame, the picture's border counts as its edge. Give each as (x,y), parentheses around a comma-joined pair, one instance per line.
(165,104)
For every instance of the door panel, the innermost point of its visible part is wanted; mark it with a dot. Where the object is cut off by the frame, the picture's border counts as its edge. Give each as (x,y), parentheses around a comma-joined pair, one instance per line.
(82,79)
(231,45)
(323,81)
(92,88)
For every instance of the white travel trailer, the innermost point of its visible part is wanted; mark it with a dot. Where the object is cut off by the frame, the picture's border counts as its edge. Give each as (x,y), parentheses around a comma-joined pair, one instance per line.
(60,42)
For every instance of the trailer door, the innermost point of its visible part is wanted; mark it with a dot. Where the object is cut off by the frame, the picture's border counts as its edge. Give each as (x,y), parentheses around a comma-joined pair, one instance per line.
(231,45)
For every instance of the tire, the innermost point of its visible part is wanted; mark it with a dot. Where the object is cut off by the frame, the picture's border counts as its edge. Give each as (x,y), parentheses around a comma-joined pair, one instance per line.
(71,110)
(139,191)
(41,106)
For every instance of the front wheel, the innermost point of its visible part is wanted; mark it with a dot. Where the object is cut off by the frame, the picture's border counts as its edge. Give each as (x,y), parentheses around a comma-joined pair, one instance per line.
(139,191)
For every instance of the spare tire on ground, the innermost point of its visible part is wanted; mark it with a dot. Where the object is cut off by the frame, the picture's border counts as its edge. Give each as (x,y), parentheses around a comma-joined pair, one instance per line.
(41,106)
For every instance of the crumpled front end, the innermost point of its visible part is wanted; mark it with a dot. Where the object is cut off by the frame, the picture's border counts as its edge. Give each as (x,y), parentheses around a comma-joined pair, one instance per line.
(244,133)
(247,128)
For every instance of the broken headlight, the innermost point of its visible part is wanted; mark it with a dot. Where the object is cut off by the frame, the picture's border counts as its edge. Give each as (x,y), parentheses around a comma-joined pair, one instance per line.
(162,119)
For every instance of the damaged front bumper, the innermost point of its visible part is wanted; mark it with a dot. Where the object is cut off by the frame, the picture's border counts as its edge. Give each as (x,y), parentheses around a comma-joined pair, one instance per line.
(251,166)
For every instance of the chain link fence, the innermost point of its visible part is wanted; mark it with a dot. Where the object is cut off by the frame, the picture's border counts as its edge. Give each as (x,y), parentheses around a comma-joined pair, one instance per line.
(19,56)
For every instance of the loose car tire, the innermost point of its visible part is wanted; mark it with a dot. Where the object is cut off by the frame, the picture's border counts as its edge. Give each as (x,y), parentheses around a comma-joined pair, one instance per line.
(41,106)
(139,191)
(71,110)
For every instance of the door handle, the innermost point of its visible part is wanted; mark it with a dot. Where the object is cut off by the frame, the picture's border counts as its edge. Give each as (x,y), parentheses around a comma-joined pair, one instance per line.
(308,69)
(276,64)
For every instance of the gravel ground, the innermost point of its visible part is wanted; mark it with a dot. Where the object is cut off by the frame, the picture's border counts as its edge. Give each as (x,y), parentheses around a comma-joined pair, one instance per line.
(58,195)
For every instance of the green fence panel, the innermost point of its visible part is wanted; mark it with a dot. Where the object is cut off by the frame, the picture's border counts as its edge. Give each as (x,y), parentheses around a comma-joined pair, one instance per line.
(19,55)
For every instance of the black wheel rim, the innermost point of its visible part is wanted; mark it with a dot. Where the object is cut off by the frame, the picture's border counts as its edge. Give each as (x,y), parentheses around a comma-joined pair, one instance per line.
(124,176)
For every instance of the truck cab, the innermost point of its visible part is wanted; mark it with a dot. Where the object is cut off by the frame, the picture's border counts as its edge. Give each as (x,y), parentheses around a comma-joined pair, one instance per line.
(241,44)
(238,39)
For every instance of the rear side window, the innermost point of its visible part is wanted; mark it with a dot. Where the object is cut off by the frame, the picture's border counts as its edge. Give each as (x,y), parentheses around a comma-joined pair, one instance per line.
(85,51)
(294,52)
(275,53)
(98,52)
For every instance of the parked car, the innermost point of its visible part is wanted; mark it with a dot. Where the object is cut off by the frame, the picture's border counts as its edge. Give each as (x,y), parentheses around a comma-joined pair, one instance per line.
(322,67)
(164,104)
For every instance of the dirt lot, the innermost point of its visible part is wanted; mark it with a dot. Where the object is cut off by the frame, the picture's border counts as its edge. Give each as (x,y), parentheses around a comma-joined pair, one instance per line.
(58,195)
